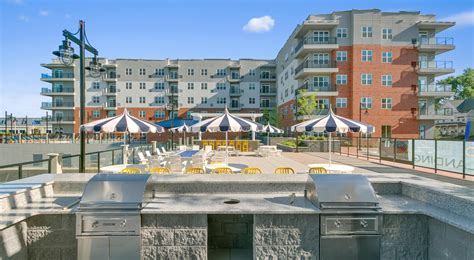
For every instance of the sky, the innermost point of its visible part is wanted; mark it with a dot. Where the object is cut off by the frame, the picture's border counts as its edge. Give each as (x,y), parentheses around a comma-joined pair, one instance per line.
(31,29)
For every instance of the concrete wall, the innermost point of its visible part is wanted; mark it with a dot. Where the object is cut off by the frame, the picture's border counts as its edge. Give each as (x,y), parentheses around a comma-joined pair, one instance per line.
(448,242)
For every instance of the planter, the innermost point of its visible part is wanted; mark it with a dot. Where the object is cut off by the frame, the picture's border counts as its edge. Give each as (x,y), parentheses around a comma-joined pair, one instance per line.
(286,148)
(322,145)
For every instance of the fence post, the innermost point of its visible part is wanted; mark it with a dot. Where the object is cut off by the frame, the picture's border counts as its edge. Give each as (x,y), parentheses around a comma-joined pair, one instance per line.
(113,157)
(464,159)
(413,153)
(358,146)
(340,145)
(98,162)
(20,171)
(55,162)
(124,153)
(436,156)
(394,149)
(367,138)
(380,150)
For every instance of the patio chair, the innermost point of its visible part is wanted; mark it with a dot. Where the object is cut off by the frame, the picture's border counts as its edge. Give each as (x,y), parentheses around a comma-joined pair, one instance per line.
(222,170)
(195,147)
(142,158)
(131,170)
(208,148)
(164,150)
(194,170)
(251,170)
(148,154)
(284,170)
(160,170)
(317,170)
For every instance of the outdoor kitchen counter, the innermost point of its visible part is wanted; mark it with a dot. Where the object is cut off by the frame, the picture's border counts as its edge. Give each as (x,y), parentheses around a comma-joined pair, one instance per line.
(256,203)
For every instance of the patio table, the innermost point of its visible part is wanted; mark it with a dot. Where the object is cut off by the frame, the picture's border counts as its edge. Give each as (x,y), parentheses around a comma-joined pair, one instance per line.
(213,166)
(118,167)
(333,168)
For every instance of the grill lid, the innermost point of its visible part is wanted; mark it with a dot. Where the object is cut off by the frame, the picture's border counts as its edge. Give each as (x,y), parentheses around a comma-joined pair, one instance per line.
(340,188)
(114,189)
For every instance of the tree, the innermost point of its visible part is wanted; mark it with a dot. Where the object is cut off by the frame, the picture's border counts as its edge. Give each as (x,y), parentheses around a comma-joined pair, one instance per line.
(307,104)
(271,116)
(462,85)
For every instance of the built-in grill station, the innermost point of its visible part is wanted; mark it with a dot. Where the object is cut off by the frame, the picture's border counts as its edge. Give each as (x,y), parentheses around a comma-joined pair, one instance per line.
(108,218)
(351,218)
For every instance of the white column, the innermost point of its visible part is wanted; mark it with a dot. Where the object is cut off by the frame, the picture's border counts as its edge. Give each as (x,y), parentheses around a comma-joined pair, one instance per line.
(253,135)
(153,147)
(56,166)
(125,153)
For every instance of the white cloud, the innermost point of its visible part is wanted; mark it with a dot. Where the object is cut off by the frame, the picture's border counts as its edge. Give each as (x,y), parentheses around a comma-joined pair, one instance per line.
(464,18)
(43,13)
(259,24)
(23,18)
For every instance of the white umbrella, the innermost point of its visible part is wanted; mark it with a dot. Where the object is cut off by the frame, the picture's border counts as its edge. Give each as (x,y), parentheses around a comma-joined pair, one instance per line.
(332,123)
(271,129)
(226,123)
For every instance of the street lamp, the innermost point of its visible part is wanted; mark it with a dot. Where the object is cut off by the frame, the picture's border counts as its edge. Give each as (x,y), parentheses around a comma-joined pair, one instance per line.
(95,68)
(66,56)
(360,120)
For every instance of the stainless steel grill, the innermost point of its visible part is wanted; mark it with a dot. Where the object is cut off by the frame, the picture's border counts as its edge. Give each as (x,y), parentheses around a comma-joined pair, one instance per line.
(108,217)
(351,218)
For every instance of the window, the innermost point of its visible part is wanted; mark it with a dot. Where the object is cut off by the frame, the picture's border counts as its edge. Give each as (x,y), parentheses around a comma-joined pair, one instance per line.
(141,71)
(142,85)
(95,113)
(387,56)
(386,103)
(141,113)
(321,58)
(159,114)
(128,85)
(128,100)
(221,100)
(387,80)
(341,33)
(286,92)
(203,100)
(203,85)
(190,72)
(366,32)
(366,55)
(95,85)
(386,131)
(160,72)
(321,36)
(341,79)
(159,85)
(366,79)
(159,100)
(321,81)
(128,71)
(286,75)
(341,55)
(422,130)
(96,99)
(190,86)
(341,102)
(203,72)
(251,86)
(142,100)
(220,72)
(252,72)
(220,86)
(366,102)
(251,100)
(386,34)
(190,100)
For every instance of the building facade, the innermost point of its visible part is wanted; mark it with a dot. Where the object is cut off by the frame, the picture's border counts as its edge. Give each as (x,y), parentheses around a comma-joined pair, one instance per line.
(376,67)
(455,126)
(25,125)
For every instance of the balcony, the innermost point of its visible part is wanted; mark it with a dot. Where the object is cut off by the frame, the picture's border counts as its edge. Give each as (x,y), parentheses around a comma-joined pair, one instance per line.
(315,44)
(435,44)
(440,114)
(112,91)
(437,68)
(110,77)
(55,63)
(437,26)
(62,120)
(157,104)
(236,106)
(57,91)
(268,77)
(110,105)
(173,77)
(435,90)
(309,88)
(233,78)
(156,75)
(172,92)
(311,67)
(57,105)
(268,91)
(268,104)
(235,91)
(156,90)
(57,77)
(309,25)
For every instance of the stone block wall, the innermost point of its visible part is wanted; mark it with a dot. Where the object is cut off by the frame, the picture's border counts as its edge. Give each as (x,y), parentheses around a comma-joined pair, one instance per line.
(286,236)
(13,242)
(448,242)
(404,237)
(169,236)
(51,237)
(230,231)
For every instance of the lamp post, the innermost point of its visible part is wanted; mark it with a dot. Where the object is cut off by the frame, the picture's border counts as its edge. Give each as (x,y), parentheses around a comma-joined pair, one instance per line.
(360,120)
(66,56)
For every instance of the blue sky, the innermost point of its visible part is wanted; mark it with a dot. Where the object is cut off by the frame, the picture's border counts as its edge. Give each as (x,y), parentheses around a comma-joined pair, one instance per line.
(30,30)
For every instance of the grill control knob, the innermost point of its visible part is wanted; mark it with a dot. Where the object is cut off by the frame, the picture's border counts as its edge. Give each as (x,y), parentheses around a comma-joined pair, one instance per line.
(95,224)
(123,223)
(363,223)
(337,223)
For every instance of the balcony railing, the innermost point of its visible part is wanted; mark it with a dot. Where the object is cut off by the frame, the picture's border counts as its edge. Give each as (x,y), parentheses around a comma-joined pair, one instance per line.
(436,41)
(268,105)
(236,91)
(312,87)
(315,64)
(269,91)
(111,104)
(110,75)
(436,112)
(268,76)
(58,119)
(111,90)
(233,77)
(315,40)
(57,76)
(435,64)
(435,88)
(56,90)
(56,104)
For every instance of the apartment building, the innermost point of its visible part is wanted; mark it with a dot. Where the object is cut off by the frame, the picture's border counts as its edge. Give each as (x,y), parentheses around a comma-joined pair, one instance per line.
(376,67)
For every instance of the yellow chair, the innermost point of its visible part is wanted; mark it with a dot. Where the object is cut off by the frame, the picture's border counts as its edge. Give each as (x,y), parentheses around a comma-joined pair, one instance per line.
(194,170)
(231,143)
(245,146)
(316,170)
(251,170)
(204,143)
(212,143)
(131,170)
(160,170)
(284,170)
(238,145)
(222,170)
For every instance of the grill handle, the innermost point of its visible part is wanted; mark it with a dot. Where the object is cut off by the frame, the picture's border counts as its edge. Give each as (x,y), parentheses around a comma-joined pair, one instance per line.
(348,207)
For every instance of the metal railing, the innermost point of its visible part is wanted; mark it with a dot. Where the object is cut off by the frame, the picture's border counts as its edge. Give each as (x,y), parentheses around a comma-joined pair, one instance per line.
(311,87)
(435,88)
(268,91)
(268,105)
(315,40)
(56,104)
(267,76)
(22,170)
(56,90)
(436,112)
(436,40)
(435,64)
(57,76)
(316,64)
(235,91)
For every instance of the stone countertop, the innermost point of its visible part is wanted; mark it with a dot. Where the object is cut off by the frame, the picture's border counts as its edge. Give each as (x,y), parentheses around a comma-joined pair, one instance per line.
(271,203)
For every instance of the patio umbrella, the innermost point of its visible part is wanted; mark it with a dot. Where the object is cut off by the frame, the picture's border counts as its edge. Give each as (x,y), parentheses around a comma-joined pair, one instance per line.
(181,129)
(124,123)
(269,129)
(332,123)
(226,123)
